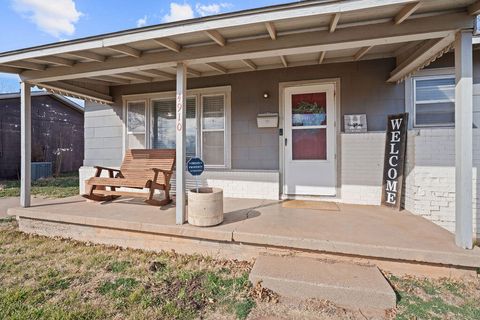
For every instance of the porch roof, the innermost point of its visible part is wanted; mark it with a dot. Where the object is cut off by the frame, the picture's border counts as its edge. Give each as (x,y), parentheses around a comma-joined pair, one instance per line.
(302,33)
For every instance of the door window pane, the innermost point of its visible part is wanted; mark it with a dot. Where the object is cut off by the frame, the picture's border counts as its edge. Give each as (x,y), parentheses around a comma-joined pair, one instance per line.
(136,117)
(213,148)
(309,144)
(164,133)
(213,112)
(309,109)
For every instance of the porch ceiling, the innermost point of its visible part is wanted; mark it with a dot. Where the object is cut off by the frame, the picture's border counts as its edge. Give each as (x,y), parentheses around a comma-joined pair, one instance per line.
(305,33)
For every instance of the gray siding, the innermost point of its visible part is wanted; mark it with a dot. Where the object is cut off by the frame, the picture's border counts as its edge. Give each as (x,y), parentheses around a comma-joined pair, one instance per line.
(363,90)
(103,135)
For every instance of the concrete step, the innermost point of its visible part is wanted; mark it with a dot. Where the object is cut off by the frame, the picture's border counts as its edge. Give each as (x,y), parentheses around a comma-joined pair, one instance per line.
(347,285)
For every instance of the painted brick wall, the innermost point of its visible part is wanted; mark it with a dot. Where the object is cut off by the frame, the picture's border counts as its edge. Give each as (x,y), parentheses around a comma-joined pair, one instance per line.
(236,184)
(429,188)
(103,135)
(361,167)
(432,179)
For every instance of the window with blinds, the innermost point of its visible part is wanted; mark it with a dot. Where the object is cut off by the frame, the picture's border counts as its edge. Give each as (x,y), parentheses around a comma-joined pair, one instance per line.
(151,123)
(163,114)
(434,100)
(213,130)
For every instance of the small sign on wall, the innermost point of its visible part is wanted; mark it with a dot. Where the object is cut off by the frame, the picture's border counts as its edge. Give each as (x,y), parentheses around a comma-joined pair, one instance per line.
(393,167)
(355,123)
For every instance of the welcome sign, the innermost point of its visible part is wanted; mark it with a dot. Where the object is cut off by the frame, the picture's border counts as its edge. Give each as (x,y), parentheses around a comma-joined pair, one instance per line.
(393,167)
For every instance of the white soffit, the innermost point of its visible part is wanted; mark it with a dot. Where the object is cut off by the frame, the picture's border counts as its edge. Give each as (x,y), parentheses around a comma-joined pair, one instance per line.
(285,19)
(296,13)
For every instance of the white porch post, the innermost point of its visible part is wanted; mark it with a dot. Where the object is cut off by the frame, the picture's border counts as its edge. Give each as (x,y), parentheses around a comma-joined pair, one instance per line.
(25,143)
(180,141)
(463,139)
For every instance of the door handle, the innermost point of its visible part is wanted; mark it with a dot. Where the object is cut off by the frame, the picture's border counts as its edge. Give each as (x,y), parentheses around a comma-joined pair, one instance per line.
(286,142)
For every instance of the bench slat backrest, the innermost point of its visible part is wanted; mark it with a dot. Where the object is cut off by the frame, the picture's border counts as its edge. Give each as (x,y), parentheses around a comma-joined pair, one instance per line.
(138,163)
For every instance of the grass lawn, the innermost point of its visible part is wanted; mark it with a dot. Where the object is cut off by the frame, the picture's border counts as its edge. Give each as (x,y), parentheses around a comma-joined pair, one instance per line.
(43,278)
(64,186)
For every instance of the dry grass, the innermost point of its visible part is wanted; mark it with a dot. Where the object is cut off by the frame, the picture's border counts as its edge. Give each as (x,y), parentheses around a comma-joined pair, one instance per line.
(43,278)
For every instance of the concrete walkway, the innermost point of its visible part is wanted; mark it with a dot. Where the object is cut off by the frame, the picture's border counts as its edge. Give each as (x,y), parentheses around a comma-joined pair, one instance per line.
(368,231)
(14,202)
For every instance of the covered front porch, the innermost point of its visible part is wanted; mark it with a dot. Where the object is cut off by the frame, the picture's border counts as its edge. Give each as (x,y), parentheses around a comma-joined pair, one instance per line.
(251,227)
(213,52)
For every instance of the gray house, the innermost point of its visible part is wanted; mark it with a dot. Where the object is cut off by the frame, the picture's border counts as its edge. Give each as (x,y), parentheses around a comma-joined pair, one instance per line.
(233,90)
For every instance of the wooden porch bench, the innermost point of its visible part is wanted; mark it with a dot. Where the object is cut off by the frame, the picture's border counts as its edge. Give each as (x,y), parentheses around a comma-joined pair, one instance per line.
(140,169)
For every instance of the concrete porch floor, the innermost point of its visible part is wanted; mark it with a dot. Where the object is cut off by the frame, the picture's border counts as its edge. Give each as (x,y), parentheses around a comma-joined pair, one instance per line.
(356,230)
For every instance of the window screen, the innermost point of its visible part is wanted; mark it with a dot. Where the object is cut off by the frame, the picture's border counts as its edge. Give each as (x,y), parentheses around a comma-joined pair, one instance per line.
(164,125)
(434,101)
(136,117)
(213,130)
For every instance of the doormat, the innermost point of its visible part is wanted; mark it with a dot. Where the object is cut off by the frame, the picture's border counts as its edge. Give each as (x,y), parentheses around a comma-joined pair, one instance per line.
(314,205)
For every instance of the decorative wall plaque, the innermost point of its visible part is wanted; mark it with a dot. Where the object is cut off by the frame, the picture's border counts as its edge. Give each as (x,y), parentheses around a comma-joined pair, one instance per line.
(355,123)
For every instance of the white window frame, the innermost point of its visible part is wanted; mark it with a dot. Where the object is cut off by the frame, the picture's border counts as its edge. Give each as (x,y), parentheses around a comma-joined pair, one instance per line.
(202,130)
(126,132)
(197,93)
(145,115)
(410,94)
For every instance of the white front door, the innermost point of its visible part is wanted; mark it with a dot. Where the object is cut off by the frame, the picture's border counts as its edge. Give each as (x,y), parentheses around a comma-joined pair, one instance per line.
(309,140)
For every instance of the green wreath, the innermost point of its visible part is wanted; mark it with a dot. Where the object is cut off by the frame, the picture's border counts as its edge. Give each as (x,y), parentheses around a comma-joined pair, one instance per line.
(306,107)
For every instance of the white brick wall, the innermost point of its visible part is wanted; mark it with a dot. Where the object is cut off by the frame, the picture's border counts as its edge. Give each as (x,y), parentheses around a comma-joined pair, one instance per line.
(429,187)
(431,181)
(261,184)
(361,167)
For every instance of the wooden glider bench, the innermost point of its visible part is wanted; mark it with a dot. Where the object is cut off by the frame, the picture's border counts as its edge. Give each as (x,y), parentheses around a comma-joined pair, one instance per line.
(141,168)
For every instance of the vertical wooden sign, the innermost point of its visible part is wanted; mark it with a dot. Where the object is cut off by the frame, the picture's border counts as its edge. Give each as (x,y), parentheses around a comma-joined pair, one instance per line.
(393,167)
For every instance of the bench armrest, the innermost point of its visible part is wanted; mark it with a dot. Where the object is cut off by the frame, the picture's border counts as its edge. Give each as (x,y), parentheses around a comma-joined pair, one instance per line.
(105,168)
(110,172)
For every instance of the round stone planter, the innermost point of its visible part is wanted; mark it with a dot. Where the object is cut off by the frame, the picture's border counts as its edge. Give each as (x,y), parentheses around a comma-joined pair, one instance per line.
(205,207)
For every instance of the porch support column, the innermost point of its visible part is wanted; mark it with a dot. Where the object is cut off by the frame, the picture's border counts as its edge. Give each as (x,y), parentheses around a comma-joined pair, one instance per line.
(463,139)
(25,143)
(181,114)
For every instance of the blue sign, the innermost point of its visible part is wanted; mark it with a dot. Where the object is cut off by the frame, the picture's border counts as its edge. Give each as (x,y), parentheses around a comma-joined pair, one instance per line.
(195,166)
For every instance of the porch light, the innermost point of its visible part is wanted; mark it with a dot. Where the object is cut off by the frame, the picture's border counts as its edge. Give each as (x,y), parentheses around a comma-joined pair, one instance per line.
(266,95)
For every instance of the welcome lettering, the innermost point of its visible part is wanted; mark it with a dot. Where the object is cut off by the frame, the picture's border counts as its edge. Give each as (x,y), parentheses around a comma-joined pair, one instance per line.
(394,156)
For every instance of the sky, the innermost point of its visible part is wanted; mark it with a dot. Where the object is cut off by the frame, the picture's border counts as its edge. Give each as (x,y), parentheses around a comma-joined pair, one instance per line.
(27,23)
